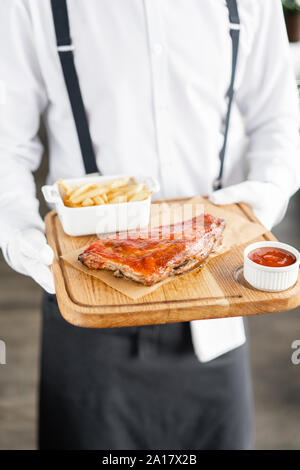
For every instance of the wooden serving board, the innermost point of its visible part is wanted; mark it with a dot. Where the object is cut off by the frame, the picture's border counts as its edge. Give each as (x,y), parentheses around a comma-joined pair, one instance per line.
(218,290)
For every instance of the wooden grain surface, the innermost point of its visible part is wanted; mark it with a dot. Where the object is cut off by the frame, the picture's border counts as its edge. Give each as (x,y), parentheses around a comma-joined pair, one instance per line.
(216,291)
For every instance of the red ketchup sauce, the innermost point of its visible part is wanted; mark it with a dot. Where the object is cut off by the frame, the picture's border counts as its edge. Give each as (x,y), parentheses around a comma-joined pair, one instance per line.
(272,257)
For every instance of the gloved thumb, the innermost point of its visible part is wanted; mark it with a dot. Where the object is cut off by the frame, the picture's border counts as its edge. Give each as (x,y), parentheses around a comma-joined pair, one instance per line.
(266,199)
(42,275)
(33,244)
(250,192)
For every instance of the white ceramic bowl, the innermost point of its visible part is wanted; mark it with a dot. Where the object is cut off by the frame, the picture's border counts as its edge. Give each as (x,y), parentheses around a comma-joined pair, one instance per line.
(268,278)
(104,218)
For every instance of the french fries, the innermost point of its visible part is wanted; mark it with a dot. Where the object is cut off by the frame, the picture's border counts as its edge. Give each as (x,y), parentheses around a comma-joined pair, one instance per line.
(140,196)
(114,192)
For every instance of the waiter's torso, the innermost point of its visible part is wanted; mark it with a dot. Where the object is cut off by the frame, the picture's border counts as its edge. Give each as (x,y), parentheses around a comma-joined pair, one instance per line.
(153,77)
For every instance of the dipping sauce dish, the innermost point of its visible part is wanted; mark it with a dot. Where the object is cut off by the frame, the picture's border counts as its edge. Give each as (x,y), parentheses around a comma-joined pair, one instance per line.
(271,266)
(272,257)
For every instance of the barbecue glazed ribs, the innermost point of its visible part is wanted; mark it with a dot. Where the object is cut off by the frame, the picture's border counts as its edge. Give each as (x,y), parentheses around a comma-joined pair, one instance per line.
(149,257)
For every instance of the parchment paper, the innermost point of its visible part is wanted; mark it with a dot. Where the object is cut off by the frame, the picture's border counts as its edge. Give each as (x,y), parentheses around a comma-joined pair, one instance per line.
(239,230)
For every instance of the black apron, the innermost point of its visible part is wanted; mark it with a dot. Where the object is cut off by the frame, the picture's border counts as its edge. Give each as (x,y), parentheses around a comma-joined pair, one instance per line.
(120,389)
(138,387)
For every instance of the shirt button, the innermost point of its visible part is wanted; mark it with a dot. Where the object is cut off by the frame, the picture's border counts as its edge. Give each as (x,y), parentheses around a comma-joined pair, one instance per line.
(157,49)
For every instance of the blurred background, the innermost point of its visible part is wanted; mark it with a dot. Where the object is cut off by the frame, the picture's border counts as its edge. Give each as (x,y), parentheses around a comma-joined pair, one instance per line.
(276,380)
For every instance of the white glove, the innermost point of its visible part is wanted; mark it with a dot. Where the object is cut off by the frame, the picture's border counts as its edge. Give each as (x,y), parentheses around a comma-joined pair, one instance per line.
(27,252)
(267,200)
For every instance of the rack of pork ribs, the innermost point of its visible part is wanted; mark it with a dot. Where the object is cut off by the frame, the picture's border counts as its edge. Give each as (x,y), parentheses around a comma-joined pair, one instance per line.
(150,256)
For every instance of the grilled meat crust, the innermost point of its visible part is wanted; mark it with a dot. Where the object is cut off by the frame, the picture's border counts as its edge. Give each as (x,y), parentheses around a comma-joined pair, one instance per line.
(167,251)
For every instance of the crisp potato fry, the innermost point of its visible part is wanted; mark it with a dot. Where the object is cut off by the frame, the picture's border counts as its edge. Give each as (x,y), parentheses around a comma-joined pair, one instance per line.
(87,194)
(64,189)
(119,182)
(68,203)
(111,195)
(140,196)
(104,197)
(118,199)
(87,202)
(98,200)
(112,192)
(126,190)
(89,190)
(77,190)
(117,190)
(134,189)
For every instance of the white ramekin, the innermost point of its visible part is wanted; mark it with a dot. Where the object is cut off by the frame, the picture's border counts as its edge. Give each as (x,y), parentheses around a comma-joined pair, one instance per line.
(268,278)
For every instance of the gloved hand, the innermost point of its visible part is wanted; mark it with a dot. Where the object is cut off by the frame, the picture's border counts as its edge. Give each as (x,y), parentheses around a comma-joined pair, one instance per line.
(27,252)
(267,200)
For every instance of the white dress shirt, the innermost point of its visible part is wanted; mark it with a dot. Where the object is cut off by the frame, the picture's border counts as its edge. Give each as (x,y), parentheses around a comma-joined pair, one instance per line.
(153,75)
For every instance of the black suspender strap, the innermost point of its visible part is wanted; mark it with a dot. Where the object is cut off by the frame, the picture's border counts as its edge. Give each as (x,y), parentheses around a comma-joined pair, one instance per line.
(235,36)
(65,51)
